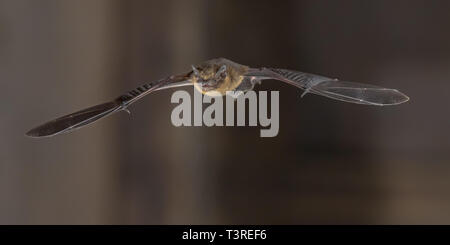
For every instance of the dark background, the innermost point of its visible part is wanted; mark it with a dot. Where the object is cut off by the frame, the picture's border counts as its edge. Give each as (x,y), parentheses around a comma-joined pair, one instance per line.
(332,162)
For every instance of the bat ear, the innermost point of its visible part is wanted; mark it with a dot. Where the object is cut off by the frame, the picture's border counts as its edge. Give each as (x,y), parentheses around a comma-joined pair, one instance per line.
(221,71)
(196,72)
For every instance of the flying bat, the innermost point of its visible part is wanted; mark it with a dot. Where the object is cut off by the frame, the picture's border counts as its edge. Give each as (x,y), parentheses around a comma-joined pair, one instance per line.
(216,77)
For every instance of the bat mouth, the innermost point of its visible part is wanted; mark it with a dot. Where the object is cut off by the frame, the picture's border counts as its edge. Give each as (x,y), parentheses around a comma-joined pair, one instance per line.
(207,85)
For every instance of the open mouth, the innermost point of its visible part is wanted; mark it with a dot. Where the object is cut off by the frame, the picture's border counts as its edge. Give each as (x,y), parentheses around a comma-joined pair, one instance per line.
(208,86)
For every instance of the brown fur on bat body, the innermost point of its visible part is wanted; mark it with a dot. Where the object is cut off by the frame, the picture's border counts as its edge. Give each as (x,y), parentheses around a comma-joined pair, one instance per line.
(218,76)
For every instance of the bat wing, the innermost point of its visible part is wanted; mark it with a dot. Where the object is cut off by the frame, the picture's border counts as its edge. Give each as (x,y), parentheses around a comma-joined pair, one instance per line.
(87,116)
(352,92)
(75,120)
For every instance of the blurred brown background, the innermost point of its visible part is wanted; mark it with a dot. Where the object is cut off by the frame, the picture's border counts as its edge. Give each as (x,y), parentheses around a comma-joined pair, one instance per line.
(332,162)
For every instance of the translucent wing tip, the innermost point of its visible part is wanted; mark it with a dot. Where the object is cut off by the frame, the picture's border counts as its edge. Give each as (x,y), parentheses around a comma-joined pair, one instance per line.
(73,121)
(384,97)
(360,93)
(34,133)
(397,98)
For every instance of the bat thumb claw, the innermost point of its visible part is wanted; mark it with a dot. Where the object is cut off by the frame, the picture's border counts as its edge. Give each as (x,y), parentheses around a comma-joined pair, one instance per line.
(304,93)
(127,111)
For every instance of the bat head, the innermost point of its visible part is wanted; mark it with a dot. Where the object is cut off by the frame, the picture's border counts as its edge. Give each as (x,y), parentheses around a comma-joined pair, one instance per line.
(217,76)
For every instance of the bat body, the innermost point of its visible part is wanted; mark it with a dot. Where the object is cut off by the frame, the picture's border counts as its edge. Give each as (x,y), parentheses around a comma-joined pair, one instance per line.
(216,77)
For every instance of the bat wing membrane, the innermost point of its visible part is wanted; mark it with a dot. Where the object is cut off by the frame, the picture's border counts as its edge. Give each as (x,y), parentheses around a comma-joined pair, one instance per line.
(352,92)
